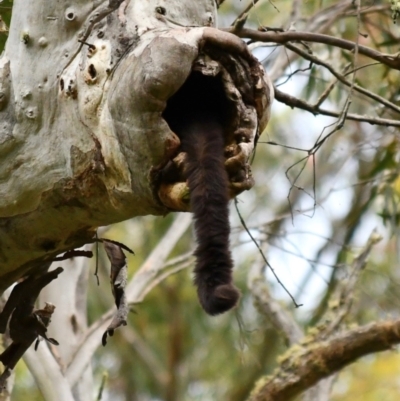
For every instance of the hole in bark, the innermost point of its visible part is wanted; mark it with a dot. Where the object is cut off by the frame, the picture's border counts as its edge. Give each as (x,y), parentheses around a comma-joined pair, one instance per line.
(161,10)
(202,94)
(31,112)
(92,71)
(70,16)
(61,84)
(74,324)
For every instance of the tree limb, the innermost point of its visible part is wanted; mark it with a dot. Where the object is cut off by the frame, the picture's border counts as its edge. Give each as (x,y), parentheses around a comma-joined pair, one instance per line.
(302,367)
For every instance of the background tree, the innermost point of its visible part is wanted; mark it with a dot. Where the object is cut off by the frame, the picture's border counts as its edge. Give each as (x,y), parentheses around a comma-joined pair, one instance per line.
(326,173)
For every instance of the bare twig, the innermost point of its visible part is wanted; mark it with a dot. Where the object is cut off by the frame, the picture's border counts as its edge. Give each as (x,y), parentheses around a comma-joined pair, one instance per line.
(264,257)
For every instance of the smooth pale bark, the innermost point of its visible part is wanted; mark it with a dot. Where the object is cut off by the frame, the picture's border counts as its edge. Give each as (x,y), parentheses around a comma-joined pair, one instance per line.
(69,322)
(81,130)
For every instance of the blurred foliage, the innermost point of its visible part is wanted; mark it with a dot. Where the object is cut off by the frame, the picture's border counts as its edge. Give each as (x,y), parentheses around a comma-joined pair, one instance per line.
(170,349)
(24,387)
(374,378)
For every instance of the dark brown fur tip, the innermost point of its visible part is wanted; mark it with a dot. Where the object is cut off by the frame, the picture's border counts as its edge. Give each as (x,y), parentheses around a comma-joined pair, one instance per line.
(219,299)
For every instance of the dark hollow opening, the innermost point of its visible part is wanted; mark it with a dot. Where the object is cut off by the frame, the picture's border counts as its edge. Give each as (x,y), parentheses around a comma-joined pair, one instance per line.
(199,94)
(92,71)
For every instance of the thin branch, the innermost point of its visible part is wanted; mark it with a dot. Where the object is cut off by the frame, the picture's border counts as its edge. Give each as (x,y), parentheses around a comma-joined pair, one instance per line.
(326,17)
(293,182)
(324,95)
(391,60)
(369,10)
(264,257)
(342,79)
(300,256)
(292,102)
(169,272)
(241,19)
(156,260)
(321,21)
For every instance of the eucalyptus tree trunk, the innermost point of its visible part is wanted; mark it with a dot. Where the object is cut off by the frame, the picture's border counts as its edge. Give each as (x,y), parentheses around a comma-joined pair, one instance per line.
(87,94)
(84,91)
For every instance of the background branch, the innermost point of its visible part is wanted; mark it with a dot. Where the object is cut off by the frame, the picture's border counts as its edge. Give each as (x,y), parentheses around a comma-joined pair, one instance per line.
(134,293)
(303,367)
(391,60)
(48,375)
(292,102)
(267,305)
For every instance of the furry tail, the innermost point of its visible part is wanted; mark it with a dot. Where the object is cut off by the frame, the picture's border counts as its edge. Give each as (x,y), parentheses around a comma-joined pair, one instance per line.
(209,197)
